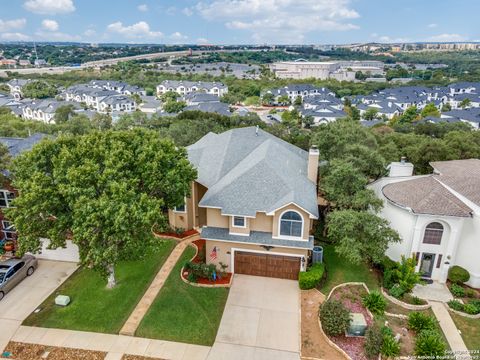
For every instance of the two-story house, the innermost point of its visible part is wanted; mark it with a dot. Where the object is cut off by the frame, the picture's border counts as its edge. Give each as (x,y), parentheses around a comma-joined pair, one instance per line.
(254,202)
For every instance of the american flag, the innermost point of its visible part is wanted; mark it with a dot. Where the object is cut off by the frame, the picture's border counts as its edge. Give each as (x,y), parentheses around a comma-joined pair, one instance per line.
(213,254)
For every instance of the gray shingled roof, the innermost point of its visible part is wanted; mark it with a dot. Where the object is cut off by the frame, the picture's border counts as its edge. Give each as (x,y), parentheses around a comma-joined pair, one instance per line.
(426,195)
(246,173)
(255,237)
(16,146)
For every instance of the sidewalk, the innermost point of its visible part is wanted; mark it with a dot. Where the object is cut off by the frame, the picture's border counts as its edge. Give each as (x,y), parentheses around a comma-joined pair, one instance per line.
(146,301)
(115,345)
(449,329)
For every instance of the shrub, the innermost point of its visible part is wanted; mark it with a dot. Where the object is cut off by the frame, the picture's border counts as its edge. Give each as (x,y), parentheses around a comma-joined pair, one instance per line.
(418,321)
(388,264)
(417,301)
(406,275)
(470,293)
(409,299)
(471,309)
(457,290)
(455,305)
(397,291)
(200,270)
(476,303)
(390,347)
(375,302)
(311,278)
(335,317)
(429,343)
(373,341)
(458,275)
(389,279)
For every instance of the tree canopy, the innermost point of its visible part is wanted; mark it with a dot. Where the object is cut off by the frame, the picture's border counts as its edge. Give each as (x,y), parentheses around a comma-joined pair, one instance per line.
(39,90)
(106,190)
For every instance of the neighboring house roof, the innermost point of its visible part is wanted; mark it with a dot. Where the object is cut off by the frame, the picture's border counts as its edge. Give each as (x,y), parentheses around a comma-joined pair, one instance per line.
(425,195)
(212,107)
(246,173)
(189,84)
(16,146)
(200,97)
(462,176)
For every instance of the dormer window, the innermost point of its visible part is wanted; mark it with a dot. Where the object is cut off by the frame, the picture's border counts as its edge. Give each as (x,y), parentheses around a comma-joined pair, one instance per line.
(291,224)
(239,221)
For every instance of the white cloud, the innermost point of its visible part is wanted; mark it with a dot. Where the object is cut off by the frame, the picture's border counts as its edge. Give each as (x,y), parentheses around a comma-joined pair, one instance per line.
(281,20)
(90,33)
(9,25)
(433,25)
(50,25)
(140,30)
(388,39)
(178,37)
(49,7)
(187,11)
(202,41)
(142,7)
(447,38)
(15,36)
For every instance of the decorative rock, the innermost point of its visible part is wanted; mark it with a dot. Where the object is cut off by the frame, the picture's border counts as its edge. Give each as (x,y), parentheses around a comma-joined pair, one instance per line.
(398,336)
(62,300)
(405,330)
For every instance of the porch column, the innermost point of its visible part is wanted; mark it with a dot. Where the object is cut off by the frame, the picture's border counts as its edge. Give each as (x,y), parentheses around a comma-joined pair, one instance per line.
(449,257)
(416,241)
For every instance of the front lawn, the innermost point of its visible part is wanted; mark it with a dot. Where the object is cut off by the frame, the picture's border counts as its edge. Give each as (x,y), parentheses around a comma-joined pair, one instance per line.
(95,308)
(182,312)
(339,271)
(470,329)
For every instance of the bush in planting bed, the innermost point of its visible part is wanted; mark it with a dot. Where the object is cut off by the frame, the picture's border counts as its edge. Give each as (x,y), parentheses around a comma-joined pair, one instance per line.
(311,278)
(335,317)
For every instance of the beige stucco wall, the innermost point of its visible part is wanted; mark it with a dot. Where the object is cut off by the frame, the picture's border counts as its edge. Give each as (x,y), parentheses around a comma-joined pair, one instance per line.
(239,230)
(262,222)
(215,218)
(306,220)
(224,250)
(185,219)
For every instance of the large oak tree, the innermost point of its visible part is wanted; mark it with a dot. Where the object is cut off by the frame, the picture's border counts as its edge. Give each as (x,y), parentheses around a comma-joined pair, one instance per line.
(106,190)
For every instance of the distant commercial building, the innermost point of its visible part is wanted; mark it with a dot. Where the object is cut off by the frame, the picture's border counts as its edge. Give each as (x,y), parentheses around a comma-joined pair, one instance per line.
(339,70)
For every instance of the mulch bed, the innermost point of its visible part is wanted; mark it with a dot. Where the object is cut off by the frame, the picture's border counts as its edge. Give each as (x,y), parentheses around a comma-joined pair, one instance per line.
(351,297)
(221,280)
(24,351)
(180,236)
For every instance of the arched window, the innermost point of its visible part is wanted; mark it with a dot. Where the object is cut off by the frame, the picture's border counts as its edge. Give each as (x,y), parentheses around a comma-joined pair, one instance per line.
(291,224)
(433,233)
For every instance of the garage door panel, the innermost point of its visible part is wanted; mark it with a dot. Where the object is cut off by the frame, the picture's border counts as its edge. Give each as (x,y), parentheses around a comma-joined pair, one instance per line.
(276,266)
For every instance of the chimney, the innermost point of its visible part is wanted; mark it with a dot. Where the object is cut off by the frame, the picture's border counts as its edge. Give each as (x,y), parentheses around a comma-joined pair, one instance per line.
(401,168)
(313,156)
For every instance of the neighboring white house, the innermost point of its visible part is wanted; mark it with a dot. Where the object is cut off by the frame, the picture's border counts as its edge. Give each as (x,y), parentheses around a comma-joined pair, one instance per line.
(16,86)
(437,216)
(186,87)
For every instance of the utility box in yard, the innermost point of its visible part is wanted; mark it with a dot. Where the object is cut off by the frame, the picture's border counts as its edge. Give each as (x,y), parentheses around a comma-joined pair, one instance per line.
(62,300)
(358,325)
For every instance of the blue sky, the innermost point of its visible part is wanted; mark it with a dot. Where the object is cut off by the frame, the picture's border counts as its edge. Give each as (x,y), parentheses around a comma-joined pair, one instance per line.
(240,21)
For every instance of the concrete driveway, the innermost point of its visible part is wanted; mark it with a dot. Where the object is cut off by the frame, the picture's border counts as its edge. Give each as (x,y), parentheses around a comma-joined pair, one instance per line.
(261,321)
(30,293)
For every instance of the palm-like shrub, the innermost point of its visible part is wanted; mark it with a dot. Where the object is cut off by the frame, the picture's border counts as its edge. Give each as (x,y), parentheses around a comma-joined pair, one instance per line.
(375,302)
(418,322)
(429,343)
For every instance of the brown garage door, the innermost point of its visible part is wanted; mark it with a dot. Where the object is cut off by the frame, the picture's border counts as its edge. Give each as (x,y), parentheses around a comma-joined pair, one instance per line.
(277,266)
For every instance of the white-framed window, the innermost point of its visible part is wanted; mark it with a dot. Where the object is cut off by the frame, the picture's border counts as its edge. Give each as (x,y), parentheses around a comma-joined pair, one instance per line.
(239,221)
(433,233)
(8,229)
(6,198)
(291,224)
(181,208)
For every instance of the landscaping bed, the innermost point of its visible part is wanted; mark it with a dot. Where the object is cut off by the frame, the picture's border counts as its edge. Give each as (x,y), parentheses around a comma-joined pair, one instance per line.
(24,351)
(181,234)
(95,308)
(467,299)
(182,312)
(197,272)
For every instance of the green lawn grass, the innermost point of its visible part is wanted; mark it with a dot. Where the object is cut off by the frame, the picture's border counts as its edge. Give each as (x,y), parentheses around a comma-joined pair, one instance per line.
(470,329)
(93,307)
(339,271)
(182,312)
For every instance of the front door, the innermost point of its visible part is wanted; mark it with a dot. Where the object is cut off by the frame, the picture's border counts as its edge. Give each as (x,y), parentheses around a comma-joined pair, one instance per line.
(426,266)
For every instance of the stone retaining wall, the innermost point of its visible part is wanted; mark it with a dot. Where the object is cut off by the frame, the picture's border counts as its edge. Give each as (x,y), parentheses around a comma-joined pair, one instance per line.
(403,304)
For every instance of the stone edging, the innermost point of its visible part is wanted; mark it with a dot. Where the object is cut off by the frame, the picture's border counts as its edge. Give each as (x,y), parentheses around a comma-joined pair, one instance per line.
(202,285)
(403,304)
(461,313)
(331,343)
(399,316)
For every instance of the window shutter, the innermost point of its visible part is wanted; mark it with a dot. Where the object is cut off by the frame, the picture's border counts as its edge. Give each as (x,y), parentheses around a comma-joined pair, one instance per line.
(439,261)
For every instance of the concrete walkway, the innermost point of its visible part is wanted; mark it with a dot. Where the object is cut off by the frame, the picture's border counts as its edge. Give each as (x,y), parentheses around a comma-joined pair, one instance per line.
(146,301)
(449,329)
(114,345)
(433,292)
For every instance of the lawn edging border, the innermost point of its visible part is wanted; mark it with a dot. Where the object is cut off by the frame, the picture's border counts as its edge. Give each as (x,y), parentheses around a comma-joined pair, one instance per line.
(461,313)
(202,285)
(404,304)
(331,343)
